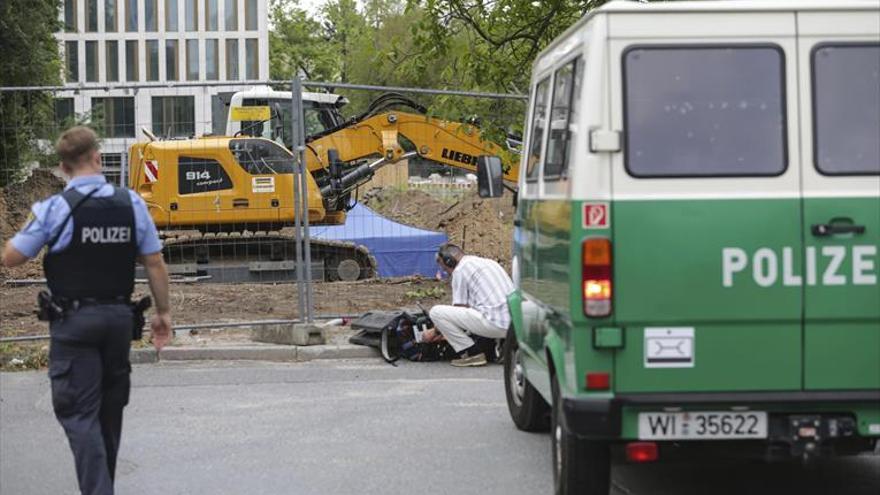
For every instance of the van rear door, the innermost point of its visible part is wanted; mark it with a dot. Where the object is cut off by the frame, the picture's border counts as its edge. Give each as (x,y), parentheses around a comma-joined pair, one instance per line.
(706,215)
(841,204)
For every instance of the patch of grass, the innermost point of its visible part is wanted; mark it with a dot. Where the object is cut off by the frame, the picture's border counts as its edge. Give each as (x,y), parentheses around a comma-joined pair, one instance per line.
(24,356)
(431,293)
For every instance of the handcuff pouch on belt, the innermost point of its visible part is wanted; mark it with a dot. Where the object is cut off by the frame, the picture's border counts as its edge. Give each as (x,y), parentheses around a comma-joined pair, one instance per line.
(47,308)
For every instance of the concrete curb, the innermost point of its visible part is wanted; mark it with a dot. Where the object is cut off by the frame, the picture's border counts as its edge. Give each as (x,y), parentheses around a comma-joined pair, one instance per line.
(278,353)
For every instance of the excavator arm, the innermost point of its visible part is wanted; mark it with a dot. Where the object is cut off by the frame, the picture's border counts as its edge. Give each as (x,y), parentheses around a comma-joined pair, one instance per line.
(450,143)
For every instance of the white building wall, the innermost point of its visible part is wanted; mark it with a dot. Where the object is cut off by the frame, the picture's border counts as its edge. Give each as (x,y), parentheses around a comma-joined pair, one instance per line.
(82,91)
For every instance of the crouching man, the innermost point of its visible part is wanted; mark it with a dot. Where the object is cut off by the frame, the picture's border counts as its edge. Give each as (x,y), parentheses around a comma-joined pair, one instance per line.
(479,296)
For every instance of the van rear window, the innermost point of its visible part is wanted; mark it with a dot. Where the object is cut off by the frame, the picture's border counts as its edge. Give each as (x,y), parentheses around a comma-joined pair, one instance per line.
(846,108)
(704,111)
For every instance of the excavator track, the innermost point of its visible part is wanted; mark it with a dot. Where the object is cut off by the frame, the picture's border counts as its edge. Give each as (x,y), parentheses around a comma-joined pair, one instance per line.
(261,256)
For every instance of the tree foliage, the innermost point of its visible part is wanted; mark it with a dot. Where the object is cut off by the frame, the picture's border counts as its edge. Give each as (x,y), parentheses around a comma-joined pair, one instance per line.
(29,58)
(471,45)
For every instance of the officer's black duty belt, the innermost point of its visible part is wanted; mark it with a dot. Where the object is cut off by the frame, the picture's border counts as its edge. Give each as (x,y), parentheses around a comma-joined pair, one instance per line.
(74,304)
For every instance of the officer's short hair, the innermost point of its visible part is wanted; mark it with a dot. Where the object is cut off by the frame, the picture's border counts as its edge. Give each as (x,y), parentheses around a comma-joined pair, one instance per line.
(75,144)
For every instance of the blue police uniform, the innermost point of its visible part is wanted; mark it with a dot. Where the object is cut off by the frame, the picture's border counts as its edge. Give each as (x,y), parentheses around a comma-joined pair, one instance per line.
(95,231)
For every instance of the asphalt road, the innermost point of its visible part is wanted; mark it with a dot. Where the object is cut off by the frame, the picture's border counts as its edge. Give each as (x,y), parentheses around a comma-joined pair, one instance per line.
(346,427)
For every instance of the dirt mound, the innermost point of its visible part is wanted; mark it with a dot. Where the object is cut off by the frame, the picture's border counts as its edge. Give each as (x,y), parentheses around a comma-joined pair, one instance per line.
(482,226)
(15,205)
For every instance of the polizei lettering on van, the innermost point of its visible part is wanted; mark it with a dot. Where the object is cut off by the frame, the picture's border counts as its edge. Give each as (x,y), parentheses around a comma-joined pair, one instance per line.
(106,235)
(768,267)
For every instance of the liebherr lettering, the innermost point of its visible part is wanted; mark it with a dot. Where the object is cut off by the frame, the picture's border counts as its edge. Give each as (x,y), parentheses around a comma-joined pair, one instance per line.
(824,265)
(106,235)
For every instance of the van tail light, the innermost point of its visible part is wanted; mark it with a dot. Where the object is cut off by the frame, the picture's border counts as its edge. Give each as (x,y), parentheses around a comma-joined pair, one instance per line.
(642,452)
(598,381)
(597,284)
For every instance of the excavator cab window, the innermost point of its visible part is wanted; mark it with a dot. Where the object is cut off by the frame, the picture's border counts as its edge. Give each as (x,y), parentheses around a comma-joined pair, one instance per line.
(261,156)
(318,118)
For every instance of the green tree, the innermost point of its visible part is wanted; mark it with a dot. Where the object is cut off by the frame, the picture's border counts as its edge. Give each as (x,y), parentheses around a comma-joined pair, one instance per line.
(503,37)
(29,58)
(344,31)
(297,45)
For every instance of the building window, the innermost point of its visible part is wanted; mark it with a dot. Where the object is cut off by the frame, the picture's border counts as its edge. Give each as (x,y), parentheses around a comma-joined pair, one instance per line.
(171,66)
(211,15)
(71,59)
(113,117)
(111,16)
(91,61)
(192,60)
(91,16)
(70,16)
(171,15)
(192,15)
(111,167)
(132,63)
(846,108)
(151,15)
(232,60)
(152,54)
(64,113)
(252,59)
(250,15)
(231,15)
(112,59)
(174,116)
(703,111)
(212,62)
(131,16)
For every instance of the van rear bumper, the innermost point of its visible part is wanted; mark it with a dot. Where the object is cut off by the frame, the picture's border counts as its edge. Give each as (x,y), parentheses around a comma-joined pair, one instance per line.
(603,417)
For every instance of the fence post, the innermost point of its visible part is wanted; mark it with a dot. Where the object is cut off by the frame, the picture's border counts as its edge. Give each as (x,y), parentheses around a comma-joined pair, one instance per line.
(295,124)
(301,200)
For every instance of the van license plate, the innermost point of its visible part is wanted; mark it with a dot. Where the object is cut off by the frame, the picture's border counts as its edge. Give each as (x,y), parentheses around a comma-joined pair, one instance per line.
(702,425)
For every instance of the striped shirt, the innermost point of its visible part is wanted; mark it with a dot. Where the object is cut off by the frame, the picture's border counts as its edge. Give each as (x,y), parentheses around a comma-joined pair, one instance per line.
(483,285)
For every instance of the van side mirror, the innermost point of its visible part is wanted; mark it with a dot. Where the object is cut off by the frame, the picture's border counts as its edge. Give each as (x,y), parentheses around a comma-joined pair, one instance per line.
(489,176)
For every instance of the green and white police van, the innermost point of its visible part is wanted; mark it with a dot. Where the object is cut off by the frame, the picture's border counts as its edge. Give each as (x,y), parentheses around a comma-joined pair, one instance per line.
(696,242)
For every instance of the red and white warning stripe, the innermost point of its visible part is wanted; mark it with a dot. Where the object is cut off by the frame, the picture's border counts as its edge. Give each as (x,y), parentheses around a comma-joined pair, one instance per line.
(151,170)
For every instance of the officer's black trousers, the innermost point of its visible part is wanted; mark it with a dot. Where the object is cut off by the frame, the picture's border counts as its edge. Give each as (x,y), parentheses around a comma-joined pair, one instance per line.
(89,370)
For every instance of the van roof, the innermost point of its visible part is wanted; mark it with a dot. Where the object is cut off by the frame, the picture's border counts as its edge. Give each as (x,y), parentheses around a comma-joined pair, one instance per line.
(631,6)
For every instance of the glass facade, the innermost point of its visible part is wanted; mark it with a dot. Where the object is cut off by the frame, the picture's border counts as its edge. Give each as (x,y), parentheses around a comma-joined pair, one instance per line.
(212,60)
(151,15)
(91,61)
(232,72)
(192,60)
(132,74)
(192,15)
(131,16)
(70,16)
(111,57)
(250,15)
(231,15)
(91,16)
(111,16)
(174,116)
(64,113)
(171,15)
(152,59)
(211,15)
(113,117)
(172,72)
(252,59)
(71,61)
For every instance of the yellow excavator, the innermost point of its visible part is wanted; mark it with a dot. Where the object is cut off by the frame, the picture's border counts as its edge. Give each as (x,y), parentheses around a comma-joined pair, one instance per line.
(225,205)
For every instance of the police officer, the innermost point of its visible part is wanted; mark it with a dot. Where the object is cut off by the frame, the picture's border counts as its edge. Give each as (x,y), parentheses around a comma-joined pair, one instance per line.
(94,232)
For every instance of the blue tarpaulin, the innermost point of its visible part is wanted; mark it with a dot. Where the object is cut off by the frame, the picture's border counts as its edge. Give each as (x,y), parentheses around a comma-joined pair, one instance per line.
(400,250)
